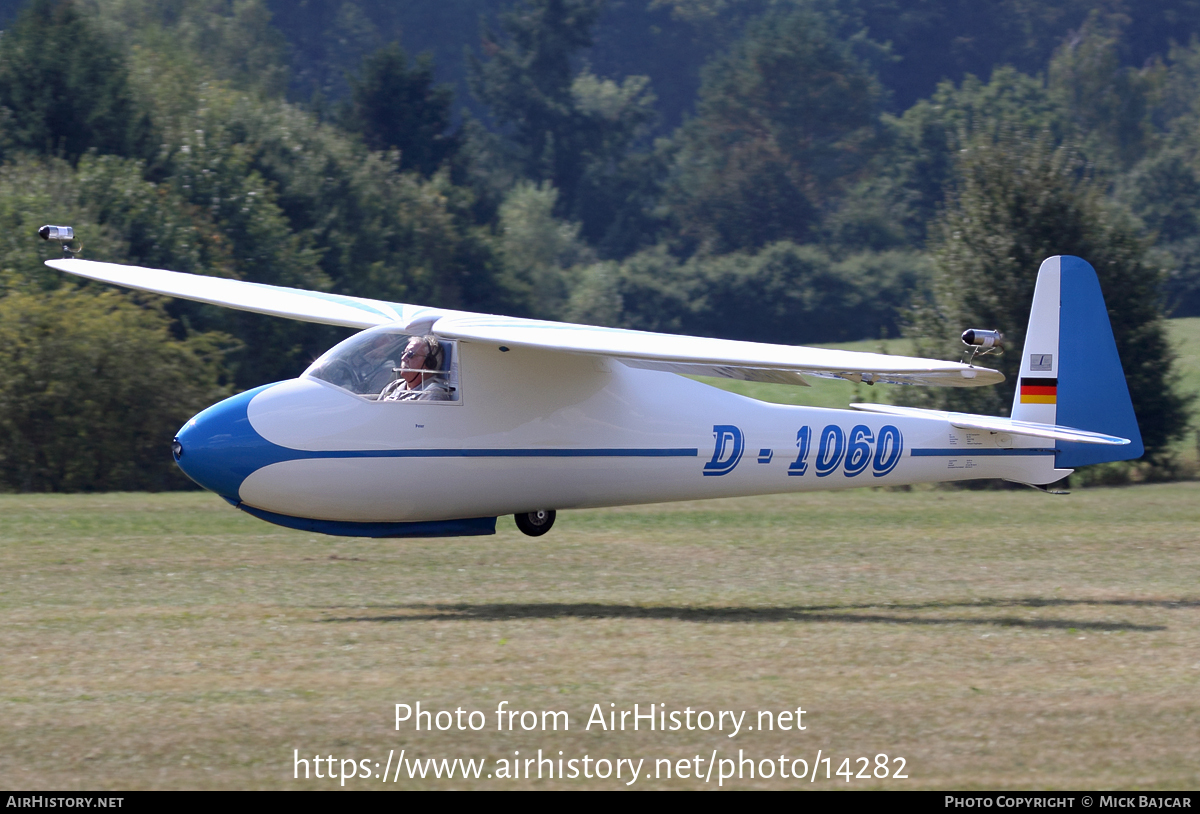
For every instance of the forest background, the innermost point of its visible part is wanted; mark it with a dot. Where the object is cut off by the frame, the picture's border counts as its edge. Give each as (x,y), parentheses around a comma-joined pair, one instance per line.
(793,171)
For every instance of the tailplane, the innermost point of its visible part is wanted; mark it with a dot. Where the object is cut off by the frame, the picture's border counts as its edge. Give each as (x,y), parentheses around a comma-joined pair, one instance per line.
(1070,372)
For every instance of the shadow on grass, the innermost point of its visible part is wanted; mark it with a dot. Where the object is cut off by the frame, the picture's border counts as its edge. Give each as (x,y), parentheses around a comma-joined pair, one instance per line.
(845,614)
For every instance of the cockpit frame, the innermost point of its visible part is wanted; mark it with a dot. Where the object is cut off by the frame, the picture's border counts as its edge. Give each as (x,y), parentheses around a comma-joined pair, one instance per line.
(366,363)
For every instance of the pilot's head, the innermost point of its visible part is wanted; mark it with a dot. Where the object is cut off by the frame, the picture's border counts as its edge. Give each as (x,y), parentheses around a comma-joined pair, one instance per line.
(421,353)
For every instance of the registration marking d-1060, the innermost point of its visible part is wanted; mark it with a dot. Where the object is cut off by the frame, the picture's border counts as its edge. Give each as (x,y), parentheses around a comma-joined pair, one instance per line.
(831,450)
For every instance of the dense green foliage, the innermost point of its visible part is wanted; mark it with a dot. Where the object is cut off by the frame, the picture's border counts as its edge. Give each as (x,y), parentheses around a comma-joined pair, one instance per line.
(64,89)
(1021,200)
(783,121)
(90,386)
(773,170)
(565,126)
(394,107)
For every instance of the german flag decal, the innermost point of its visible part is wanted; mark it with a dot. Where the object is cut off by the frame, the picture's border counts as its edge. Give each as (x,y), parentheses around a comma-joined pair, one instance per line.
(1039,391)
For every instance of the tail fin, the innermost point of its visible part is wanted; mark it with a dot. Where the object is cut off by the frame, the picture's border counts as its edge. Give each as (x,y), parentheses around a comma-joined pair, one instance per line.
(1070,372)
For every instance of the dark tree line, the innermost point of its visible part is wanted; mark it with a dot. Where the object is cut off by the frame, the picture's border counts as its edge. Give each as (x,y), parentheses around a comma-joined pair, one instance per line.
(801,171)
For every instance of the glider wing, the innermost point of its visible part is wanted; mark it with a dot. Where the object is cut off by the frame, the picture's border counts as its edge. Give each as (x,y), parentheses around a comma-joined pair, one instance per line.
(293,303)
(703,356)
(713,357)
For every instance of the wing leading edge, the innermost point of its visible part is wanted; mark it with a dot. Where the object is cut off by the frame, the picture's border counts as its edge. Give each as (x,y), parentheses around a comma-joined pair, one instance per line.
(291,303)
(726,358)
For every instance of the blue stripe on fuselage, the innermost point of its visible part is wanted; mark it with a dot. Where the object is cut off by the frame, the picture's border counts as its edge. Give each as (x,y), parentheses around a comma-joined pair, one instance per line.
(221,449)
(971,453)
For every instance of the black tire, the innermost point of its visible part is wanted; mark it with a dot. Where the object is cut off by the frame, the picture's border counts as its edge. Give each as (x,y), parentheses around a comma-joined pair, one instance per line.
(535,524)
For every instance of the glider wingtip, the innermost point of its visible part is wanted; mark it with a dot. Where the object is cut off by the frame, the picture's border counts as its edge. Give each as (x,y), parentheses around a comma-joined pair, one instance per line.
(67,263)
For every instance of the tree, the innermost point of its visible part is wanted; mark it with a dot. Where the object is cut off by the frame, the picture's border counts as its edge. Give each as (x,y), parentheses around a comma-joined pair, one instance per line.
(568,127)
(287,200)
(1108,103)
(1164,191)
(64,89)
(92,389)
(908,180)
(784,120)
(234,41)
(395,107)
(239,43)
(538,251)
(526,83)
(1018,200)
(1163,188)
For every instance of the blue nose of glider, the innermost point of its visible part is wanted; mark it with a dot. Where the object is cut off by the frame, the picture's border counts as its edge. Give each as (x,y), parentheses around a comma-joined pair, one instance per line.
(219,448)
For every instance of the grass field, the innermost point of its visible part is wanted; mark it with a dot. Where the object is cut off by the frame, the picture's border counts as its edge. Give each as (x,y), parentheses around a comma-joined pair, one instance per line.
(992,640)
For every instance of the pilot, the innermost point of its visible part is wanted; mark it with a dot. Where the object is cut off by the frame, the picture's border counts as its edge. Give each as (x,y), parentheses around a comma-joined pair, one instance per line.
(423,353)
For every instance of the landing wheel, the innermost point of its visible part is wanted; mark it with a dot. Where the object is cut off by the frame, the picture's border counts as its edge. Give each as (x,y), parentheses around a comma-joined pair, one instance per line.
(535,524)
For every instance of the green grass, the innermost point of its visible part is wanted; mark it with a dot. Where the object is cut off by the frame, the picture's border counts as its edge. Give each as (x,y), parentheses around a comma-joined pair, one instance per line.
(993,640)
(1185,336)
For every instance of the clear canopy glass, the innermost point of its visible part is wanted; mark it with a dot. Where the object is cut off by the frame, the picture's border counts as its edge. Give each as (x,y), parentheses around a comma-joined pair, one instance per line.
(368,362)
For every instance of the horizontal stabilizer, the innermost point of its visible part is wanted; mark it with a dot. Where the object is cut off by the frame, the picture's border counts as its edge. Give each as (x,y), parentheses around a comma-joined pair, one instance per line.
(967,421)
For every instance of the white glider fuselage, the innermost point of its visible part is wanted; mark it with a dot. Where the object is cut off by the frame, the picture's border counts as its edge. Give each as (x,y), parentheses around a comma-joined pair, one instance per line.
(535,429)
(526,417)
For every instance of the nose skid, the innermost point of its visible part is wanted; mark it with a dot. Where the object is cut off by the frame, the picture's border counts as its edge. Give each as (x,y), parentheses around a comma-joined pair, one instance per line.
(219,448)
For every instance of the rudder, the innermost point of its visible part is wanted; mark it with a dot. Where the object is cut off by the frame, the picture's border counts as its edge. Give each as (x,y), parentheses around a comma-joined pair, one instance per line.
(1070,372)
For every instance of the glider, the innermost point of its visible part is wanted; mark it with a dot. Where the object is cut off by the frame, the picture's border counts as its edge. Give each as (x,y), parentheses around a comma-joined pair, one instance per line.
(435,422)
